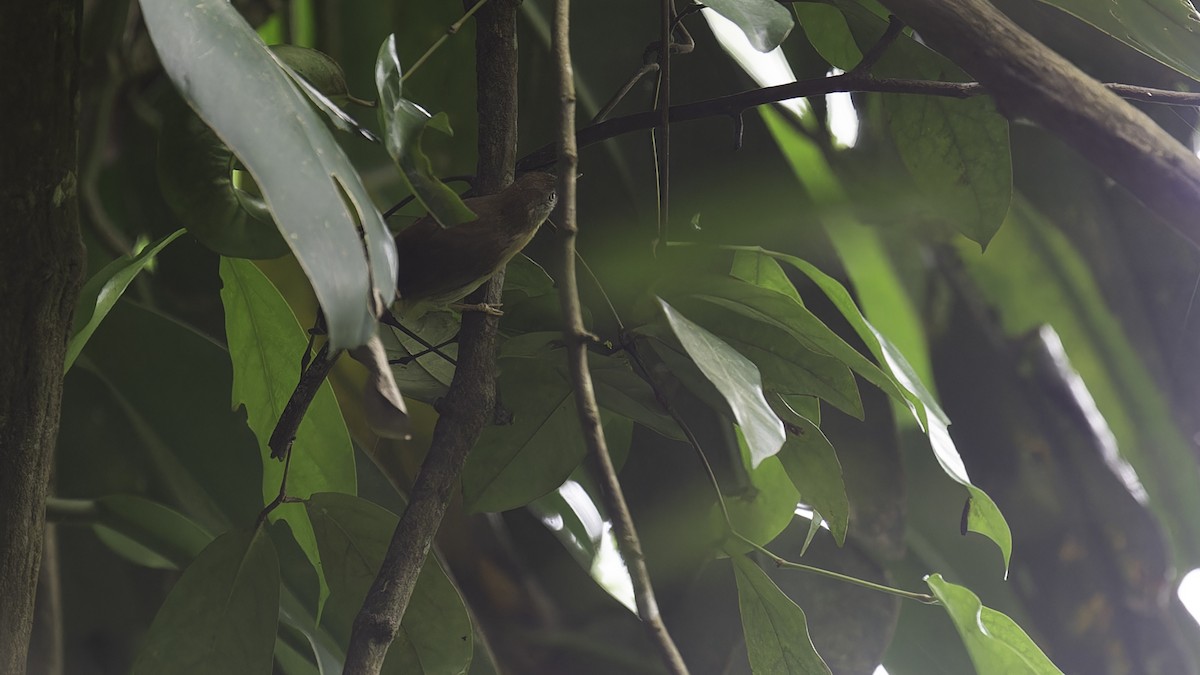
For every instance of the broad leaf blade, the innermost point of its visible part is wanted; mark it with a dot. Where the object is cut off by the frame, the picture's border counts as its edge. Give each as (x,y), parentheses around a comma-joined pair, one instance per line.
(737,379)
(227,75)
(435,635)
(404,123)
(148,532)
(777,639)
(996,644)
(103,290)
(766,23)
(222,614)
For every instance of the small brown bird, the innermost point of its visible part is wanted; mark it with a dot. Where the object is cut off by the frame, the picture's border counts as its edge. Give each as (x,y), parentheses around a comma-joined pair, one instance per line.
(441,265)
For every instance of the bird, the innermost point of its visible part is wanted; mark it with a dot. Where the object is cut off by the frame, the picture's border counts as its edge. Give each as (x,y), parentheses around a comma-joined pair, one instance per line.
(439,266)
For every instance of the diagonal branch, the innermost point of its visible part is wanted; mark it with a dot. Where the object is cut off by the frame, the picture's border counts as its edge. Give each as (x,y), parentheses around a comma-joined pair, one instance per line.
(471,397)
(577,338)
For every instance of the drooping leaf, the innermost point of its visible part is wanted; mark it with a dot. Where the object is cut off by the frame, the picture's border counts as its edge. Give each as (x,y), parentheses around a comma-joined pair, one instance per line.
(1165,30)
(435,634)
(826,29)
(149,533)
(997,645)
(404,123)
(812,464)
(765,507)
(222,614)
(103,290)
(226,74)
(766,23)
(776,631)
(737,379)
(265,344)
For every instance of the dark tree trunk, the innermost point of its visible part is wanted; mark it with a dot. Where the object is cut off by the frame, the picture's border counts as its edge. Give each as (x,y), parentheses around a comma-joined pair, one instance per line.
(40,264)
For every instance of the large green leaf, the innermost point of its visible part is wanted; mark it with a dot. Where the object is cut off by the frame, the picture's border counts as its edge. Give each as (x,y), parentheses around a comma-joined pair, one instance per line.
(827,31)
(764,507)
(1166,30)
(103,290)
(233,83)
(766,23)
(777,639)
(738,380)
(812,464)
(786,365)
(404,124)
(435,634)
(222,614)
(265,344)
(997,645)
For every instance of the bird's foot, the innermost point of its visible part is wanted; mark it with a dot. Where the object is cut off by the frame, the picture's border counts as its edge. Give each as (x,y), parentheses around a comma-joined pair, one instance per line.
(491,310)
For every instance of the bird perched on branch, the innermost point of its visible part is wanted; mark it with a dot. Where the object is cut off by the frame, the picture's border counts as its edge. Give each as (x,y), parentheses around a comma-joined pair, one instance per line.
(441,265)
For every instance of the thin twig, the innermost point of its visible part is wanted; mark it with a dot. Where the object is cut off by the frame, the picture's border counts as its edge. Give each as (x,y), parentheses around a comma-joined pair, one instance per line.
(577,338)
(453,29)
(734,104)
(894,29)
(306,390)
(663,104)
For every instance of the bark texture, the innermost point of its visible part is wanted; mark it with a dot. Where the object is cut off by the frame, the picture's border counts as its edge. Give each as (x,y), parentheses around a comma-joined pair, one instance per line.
(40,264)
(1030,81)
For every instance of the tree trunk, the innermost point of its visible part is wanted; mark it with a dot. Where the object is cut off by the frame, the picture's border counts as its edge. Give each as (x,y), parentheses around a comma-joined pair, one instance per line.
(40,264)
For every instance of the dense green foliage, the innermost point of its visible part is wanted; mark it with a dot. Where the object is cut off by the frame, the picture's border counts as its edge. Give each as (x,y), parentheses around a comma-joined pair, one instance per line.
(967,356)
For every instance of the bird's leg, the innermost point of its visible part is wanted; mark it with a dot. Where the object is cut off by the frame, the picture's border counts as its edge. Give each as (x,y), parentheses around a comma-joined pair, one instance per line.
(390,319)
(432,349)
(492,310)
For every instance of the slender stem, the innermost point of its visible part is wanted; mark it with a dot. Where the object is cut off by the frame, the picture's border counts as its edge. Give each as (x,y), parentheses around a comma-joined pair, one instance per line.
(924,598)
(733,104)
(577,338)
(894,28)
(306,390)
(663,104)
(453,29)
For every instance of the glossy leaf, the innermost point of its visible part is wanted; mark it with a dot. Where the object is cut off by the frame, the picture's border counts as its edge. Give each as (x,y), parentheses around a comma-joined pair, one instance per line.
(738,380)
(103,290)
(435,634)
(265,344)
(230,79)
(766,23)
(1165,30)
(996,644)
(812,464)
(776,631)
(404,123)
(222,614)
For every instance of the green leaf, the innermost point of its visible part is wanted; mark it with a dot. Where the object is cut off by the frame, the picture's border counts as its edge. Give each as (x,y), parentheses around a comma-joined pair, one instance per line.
(826,29)
(764,271)
(766,23)
(1165,30)
(404,123)
(148,533)
(435,634)
(230,79)
(103,290)
(738,380)
(787,365)
(957,151)
(776,631)
(764,509)
(983,516)
(997,645)
(222,614)
(265,344)
(812,464)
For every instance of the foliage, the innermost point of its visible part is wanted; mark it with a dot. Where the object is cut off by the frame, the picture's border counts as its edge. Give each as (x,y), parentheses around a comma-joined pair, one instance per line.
(951,325)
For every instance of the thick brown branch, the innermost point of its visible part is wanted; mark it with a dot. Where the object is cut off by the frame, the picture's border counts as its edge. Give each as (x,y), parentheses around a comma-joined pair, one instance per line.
(577,338)
(40,265)
(471,397)
(1028,80)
